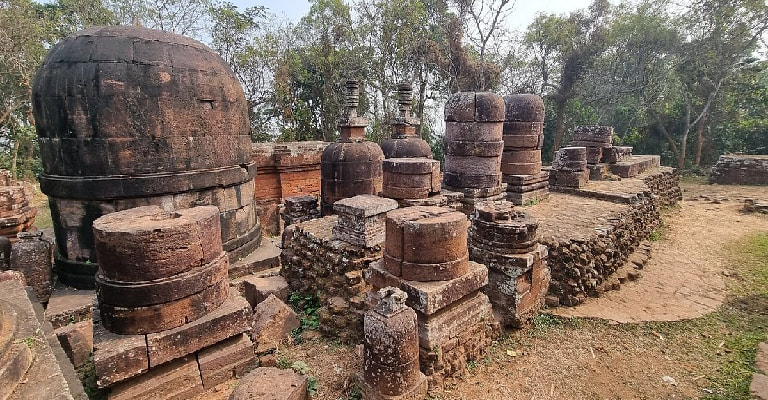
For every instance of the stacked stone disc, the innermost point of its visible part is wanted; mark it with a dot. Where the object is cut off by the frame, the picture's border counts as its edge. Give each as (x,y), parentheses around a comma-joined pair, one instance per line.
(16,211)
(159,270)
(595,139)
(351,166)
(523,139)
(411,178)
(569,167)
(426,256)
(504,239)
(128,117)
(473,145)
(391,350)
(405,142)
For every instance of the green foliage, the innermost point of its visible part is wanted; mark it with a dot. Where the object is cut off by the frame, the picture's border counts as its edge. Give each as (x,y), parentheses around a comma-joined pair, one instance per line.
(283,362)
(306,307)
(312,386)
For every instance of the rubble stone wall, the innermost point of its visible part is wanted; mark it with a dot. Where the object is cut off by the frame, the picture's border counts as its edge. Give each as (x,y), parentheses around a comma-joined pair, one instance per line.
(284,170)
(740,170)
(580,265)
(317,264)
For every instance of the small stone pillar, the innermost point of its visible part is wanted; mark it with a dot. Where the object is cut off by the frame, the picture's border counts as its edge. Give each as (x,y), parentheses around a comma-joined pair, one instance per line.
(569,168)
(33,256)
(426,256)
(391,350)
(405,143)
(474,124)
(362,219)
(504,239)
(523,139)
(595,139)
(17,214)
(352,165)
(300,209)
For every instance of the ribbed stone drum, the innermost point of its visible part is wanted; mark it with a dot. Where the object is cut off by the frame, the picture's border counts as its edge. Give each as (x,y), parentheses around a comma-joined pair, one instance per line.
(129,117)
(473,140)
(426,243)
(523,134)
(159,270)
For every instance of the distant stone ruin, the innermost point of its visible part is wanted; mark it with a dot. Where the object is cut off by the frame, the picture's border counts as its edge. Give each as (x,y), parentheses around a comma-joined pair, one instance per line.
(16,211)
(736,169)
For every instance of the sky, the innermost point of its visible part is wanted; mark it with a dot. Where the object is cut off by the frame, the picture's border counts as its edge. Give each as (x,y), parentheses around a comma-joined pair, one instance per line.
(522,15)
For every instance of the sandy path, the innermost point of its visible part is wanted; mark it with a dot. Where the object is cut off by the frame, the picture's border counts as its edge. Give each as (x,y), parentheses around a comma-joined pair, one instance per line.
(685,277)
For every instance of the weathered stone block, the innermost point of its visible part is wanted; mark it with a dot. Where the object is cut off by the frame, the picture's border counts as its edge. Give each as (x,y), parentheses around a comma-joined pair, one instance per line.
(258,289)
(268,383)
(77,341)
(273,322)
(229,359)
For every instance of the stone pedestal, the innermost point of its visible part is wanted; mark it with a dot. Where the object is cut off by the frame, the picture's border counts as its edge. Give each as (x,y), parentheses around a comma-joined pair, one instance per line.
(411,178)
(426,258)
(361,219)
(167,317)
(523,139)
(504,239)
(300,209)
(595,138)
(32,255)
(569,167)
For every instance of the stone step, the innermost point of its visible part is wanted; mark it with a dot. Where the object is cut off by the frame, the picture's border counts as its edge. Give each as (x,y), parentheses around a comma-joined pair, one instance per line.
(13,366)
(267,256)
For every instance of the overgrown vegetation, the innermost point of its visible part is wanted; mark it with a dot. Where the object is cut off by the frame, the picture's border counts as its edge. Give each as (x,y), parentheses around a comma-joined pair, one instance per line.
(306,307)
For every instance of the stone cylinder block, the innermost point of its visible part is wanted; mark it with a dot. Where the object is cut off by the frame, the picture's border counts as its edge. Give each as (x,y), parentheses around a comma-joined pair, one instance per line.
(523,142)
(512,168)
(152,262)
(426,243)
(411,178)
(473,140)
(524,108)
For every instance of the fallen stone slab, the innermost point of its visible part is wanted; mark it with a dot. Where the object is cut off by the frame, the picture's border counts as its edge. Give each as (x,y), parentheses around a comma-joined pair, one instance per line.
(267,383)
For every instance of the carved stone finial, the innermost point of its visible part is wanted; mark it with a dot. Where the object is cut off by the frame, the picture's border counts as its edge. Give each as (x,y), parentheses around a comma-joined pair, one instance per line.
(391,301)
(405,99)
(353,97)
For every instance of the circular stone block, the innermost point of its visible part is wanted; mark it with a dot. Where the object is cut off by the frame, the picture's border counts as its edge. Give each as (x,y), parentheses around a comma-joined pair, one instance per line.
(524,108)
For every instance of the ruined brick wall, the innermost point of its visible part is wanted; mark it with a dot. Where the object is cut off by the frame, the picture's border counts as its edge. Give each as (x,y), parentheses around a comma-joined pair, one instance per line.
(580,265)
(740,170)
(315,263)
(284,170)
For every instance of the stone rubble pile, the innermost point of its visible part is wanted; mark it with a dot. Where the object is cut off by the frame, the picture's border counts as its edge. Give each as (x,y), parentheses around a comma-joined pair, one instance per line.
(738,169)
(17,214)
(504,239)
(299,209)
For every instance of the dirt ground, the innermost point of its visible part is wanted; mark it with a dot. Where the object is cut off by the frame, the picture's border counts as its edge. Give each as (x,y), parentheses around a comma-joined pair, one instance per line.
(608,352)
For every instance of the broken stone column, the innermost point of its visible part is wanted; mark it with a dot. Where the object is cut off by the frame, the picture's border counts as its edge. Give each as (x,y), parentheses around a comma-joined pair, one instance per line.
(167,323)
(595,139)
(504,239)
(16,211)
(361,219)
(299,209)
(405,142)
(32,256)
(426,256)
(523,139)
(352,165)
(474,124)
(128,116)
(569,168)
(391,350)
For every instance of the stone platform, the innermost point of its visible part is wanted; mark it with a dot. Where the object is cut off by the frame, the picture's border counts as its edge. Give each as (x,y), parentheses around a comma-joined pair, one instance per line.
(738,169)
(591,232)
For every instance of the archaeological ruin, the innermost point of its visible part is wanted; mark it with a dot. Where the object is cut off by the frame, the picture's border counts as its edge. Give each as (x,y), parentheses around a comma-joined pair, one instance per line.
(184,257)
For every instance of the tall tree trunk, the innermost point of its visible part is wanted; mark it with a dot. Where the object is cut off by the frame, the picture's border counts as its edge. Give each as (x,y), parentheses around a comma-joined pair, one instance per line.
(559,125)
(14,159)
(700,138)
(422,100)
